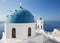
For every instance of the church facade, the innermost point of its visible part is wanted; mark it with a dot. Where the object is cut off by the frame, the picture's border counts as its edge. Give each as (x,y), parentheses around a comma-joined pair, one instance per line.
(21,24)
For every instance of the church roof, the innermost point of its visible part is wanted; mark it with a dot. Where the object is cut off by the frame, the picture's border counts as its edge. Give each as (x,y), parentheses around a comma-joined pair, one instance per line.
(20,16)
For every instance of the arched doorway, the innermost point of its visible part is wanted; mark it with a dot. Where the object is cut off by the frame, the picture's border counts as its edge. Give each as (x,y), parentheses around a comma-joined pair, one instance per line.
(29,31)
(13,33)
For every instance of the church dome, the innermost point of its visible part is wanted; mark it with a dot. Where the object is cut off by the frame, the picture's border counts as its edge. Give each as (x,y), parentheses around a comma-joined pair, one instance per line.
(20,16)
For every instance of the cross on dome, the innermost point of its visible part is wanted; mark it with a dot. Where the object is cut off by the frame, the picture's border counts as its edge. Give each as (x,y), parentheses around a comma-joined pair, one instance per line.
(20,2)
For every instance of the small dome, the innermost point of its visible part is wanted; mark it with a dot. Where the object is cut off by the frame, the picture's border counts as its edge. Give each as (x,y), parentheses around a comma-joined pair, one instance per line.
(20,16)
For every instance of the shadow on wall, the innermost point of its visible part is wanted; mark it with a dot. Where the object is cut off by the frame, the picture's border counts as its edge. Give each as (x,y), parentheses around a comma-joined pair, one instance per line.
(31,42)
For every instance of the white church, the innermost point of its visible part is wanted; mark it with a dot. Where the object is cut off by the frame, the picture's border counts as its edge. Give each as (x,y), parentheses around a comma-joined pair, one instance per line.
(21,25)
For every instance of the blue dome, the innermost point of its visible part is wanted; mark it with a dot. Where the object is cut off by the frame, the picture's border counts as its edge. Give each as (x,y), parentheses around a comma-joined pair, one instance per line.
(20,16)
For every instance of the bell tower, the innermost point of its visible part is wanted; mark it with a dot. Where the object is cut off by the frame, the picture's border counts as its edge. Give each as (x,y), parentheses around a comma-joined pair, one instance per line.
(40,24)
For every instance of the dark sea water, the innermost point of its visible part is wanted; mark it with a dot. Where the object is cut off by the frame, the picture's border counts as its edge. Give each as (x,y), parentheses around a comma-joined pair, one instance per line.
(51,25)
(48,26)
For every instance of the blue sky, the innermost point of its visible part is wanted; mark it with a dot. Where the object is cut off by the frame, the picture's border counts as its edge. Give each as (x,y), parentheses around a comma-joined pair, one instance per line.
(49,10)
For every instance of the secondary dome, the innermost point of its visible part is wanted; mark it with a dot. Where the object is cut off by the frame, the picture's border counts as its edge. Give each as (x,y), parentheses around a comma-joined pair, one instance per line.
(20,16)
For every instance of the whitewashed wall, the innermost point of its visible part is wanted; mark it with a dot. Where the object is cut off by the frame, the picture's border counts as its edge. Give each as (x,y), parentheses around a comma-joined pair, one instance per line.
(21,30)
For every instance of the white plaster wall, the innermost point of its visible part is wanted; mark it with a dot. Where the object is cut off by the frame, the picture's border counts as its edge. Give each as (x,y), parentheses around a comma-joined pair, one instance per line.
(21,30)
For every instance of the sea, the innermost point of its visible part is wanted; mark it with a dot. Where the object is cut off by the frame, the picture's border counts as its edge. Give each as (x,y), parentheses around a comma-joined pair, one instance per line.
(49,26)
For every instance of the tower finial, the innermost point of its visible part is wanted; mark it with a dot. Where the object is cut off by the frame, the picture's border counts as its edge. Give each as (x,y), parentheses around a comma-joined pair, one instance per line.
(20,3)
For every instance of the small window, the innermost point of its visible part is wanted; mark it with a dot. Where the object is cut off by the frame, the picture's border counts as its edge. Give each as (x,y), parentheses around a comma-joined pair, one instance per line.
(41,26)
(35,26)
(13,33)
(29,31)
(38,26)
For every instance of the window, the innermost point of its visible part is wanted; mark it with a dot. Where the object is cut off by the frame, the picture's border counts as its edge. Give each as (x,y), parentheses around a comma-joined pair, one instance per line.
(38,26)
(41,26)
(29,31)
(35,26)
(13,33)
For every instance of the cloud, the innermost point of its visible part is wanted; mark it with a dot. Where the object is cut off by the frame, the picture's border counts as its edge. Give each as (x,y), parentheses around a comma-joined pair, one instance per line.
(3,17)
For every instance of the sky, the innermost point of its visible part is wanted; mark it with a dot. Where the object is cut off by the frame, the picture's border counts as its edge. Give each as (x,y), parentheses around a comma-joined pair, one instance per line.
(48,10)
